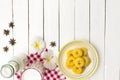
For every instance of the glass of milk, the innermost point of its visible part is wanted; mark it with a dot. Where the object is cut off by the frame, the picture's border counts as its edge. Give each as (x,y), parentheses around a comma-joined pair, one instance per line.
(31,74)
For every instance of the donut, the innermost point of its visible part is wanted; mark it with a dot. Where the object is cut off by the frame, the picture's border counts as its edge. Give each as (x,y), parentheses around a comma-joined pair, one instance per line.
(85,51)
(87,60)
(70,62)
(68,65)
(69,53)
(79,62)
(77,53)
(77,70)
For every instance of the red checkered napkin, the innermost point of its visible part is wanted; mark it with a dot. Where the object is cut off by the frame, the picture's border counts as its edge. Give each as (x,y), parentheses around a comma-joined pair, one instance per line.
(47,74)
(53,75)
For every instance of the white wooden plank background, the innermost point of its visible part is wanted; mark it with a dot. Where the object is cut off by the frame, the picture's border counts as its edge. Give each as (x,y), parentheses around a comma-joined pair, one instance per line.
(96,21)
(35,20)
(51,23)
(112,63)
(20,11)
(5,19)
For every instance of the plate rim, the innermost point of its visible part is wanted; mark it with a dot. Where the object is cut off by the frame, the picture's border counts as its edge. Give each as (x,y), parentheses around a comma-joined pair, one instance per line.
(96,54)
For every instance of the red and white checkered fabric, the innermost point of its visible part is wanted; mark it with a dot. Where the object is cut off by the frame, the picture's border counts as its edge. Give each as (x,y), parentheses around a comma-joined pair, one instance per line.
(47,75)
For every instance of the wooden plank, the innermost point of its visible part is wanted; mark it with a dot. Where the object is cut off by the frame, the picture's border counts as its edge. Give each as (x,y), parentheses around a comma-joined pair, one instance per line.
(37,17)
(51,23)
(82,19)
(21,26)
(66,21)
(35,20)
(20,8)
(97,25)
(5,19)
(112,40)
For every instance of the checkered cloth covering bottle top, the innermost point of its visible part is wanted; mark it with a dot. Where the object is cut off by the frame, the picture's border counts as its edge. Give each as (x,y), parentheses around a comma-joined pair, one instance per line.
(47,74)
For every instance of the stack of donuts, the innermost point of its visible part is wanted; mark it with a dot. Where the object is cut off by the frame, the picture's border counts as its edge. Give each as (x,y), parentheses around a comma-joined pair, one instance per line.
(78,60)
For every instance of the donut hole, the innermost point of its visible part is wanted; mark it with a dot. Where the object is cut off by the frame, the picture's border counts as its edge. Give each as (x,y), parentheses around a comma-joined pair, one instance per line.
(71,60)
(71,54)
(79,63)
(77,53)
(77,68)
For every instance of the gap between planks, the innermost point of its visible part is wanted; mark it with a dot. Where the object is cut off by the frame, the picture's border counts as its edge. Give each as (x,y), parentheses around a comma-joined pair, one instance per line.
(105,39)
(59,25)
(43,20)
(28,26)
(89,20)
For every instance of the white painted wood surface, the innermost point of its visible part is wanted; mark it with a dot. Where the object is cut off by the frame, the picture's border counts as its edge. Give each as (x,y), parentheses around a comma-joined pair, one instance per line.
(5,19)
(96,21)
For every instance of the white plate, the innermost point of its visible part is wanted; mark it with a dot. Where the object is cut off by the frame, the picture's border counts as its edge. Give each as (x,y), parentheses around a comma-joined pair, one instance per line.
(92,53)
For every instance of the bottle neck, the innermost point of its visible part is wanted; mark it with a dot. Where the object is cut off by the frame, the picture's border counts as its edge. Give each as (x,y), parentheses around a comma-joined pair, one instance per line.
(15,65)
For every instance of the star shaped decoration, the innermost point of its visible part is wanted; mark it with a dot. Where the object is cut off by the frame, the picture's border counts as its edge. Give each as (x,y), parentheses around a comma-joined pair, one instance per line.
(12,41)
(53,44)
(6,32)
(11,25)
(5,49)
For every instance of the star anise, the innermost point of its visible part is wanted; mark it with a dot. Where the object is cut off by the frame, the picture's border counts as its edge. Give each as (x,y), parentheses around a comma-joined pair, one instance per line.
(12,41)
(11,25)
(6,32)
(5,49)
(53,44)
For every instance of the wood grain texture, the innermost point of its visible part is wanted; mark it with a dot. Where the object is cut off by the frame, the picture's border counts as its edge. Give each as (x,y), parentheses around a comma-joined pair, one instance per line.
(5,19)
(66,21)
(51,24)
(61,21)
(36,20)
(82,19)
(112,56)
(21,27)
(97,26)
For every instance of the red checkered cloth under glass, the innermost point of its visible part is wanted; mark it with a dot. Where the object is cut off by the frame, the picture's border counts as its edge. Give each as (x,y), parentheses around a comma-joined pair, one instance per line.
(47,75)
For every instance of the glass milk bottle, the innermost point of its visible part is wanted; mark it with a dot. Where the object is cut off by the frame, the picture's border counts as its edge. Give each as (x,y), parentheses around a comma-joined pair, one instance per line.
(14,65)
